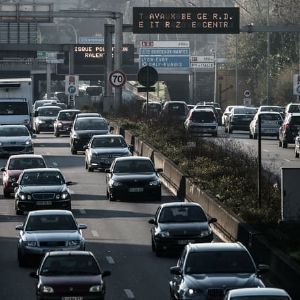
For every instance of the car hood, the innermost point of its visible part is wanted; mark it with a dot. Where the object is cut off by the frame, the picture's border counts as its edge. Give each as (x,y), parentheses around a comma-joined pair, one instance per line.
(205,281)
(53,235)
(123,177)
(86,133)
(14,139)
(121,151)
(42,188)
(46,118)
(71,280)
(184,228)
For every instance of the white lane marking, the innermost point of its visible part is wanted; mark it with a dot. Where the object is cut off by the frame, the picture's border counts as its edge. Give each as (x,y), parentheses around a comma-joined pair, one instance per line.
(48,153)
(55,164)
(82,211)
(129,293)
(287,160)
(266,150)
(110,260)
(94,233)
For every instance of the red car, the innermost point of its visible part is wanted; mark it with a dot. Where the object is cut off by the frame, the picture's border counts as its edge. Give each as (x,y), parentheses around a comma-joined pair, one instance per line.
(64,121)
(14,167)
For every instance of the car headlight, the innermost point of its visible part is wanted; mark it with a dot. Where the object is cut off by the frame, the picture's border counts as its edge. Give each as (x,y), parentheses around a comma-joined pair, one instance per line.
(59,124)
(154,183)
(192,292)
(96,288)
(64,195)
(0,143)
(28,142)
(41,122)
(75,136)
(73,243)
(117,183)
(47,289)
(24,196)
(164,234)
(205,233)
(31,243)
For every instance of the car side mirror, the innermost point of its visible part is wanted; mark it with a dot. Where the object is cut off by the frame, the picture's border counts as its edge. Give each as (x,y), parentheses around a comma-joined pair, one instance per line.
(152,221)
(175,270)
(34,275)
(262,269)
(82,226)
(14,184)
(19,227)
(70,183)
(159,170)
(106,273)
(3,169)
(212,220)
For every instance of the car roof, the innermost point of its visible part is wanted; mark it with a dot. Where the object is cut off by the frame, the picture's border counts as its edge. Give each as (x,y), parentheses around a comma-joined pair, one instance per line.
(207,109)
(105,136)
(42,170)
(258,292)
(26,156)
(269,113)
(68,110)
(48,106)
(68,253)
(184,204)
(43,212)
(132,158)
(198,247)
(92,114)
(13,126)
(91,117)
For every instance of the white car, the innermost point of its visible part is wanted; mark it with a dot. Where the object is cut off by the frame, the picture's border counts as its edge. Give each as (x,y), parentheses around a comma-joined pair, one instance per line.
(226,113)
(257,294)
(270,123)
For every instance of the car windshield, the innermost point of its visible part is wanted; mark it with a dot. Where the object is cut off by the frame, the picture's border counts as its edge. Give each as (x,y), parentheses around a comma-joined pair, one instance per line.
(182,214)
(14,131)
(206,262)
(133,166)
(270,117)
(48,112)
(70,265)
(271,108)
(13,108)
(244,111)
(50,222)
(203,116)
(26,163)
(66,116)
(91,124)
(109,142)
(176,108)
(42,178)
(264,297)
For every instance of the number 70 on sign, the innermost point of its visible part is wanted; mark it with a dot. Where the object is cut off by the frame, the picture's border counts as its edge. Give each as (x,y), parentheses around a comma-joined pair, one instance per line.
(117,78)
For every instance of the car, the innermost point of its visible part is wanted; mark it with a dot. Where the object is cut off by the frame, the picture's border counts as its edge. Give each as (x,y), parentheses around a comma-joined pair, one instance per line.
(177,224)
(83,129)
(219,115)
(64,121)
(292,108)
(203,106)
(87,114)
(207,270)
(48,230)
(61,105)
(133,176)
(201,121)
(270,123)
(289,129)
(44,118)
(257,294)
(210,103)
(14,167)
(43,188)
(70,275)
(175,111)
(39,103)
(15,139)
(297,146)
(226,113)
(103,149)
(240,118)
(274,108)
(153,108)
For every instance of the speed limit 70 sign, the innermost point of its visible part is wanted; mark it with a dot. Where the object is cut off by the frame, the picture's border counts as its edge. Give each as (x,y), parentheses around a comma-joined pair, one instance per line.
(117,78)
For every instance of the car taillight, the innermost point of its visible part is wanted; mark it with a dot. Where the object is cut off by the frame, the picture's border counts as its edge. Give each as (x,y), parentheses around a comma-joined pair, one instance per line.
(286,125)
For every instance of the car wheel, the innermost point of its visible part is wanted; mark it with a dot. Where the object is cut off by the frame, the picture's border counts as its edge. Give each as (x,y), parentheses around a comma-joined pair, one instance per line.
(225,129)
(284,144)
(86,165)
(73,151)
(90,169)
(277,137)
(56,134)
(37,131)
(255,136)
(230,130)
(296,154)
(110,196)
(250,135)
(279,143)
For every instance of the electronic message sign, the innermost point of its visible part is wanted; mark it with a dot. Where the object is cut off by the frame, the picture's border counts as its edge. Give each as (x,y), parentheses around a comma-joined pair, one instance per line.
(91,54)
(186,20)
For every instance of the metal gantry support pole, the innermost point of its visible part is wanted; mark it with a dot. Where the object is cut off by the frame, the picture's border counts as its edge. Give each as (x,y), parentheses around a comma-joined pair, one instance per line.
(71,99)
(236,70)
(259,167)
(48,79)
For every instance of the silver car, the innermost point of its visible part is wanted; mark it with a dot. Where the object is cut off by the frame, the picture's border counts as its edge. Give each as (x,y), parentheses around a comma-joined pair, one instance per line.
(257,294)
(15,139)
(48,230)
(103,149)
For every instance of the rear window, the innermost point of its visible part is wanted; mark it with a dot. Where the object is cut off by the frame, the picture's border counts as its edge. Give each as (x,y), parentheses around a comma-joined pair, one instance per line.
(203,116)
(244,111)
(26,163)
(48,112)
(294,108)
(176,108)
(271,117)
(295,120)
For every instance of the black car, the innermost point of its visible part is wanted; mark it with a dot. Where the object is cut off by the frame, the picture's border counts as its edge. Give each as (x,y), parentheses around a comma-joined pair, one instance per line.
(133,176)
(240,118)
(41,188)
(70,275)
(44,118)
(174,111)
(83,129)
(208,270)
(177,224)
(289,129)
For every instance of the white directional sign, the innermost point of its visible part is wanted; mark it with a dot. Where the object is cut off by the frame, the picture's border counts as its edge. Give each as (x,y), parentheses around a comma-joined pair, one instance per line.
(296,84)
(117,78)
(203,62)
(71,85)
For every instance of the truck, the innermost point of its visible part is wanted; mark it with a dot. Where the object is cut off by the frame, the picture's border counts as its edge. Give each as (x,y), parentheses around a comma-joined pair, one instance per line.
(16,99)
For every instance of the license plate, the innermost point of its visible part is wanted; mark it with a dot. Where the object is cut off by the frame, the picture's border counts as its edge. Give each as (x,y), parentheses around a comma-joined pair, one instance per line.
(44,203)
(136,190)
(72,298)
(184,242)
